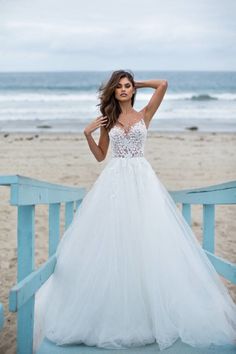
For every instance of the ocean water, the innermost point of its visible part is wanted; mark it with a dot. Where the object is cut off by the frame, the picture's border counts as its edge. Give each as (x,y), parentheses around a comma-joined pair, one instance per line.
(67,101)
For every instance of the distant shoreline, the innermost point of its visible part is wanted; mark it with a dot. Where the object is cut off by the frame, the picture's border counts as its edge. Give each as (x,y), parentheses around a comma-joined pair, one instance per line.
(157,125)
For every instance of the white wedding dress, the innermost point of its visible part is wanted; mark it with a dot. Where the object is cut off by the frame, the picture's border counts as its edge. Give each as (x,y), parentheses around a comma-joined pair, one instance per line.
(129,269)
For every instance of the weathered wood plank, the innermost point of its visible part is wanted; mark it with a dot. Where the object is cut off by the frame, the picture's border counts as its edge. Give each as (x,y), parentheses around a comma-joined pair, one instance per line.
(178,347)
(224,193)
(223,267)
(26,288)
(25,265)
(208,240)
(186,211)
(69,212)
(77,203)
(28,191)
(25,195)
(25,241)
(54,227)
(1,316)
(25,323)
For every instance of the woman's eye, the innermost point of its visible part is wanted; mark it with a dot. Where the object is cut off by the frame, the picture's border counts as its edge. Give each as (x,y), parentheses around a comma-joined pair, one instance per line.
(125,86)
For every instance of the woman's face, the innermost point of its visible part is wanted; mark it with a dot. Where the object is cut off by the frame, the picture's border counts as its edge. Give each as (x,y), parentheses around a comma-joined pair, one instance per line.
(124,90)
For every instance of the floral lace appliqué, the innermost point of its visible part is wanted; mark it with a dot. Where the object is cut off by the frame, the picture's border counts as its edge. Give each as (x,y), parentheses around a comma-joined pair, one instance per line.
(128,143)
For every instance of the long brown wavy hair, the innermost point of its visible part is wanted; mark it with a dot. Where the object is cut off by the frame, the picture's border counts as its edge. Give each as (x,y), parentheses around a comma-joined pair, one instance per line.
(109,105)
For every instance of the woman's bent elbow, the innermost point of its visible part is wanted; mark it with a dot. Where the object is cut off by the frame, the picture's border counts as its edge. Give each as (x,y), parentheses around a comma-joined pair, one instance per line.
(165,83)
(100,159)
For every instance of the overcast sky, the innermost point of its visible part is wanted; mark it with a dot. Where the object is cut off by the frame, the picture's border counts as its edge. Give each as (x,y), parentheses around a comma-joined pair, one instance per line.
(117,34)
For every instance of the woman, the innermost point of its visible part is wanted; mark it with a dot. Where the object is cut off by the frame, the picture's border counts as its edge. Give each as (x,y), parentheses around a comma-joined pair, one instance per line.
(129,269)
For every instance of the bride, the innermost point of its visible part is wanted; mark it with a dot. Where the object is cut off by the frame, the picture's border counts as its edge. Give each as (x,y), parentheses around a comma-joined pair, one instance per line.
(129,269)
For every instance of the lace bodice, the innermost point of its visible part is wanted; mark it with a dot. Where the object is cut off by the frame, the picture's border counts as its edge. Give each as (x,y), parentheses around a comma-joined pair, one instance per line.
(128,143)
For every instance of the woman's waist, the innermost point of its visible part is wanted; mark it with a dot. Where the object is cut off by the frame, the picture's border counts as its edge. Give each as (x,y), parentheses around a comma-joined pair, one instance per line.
(127,157)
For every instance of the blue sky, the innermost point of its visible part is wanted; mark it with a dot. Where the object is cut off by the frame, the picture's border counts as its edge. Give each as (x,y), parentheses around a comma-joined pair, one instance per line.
(106,35)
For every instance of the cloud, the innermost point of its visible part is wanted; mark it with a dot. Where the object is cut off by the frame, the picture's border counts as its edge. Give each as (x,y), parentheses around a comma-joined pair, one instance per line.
(172,31)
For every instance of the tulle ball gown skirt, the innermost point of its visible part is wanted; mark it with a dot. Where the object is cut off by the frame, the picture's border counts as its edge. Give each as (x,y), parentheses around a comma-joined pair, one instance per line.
(131,272)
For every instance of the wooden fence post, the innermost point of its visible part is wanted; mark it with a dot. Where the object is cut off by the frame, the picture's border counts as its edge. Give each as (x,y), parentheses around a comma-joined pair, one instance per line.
(186,211)
(208,242)
(54,227)
(69,212)
(25,260)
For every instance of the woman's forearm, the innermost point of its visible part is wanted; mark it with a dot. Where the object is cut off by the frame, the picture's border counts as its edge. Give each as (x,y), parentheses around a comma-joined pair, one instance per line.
(95,149)
(149,83)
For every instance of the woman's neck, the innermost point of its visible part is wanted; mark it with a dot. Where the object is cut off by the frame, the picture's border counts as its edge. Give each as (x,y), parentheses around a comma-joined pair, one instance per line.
(126,108)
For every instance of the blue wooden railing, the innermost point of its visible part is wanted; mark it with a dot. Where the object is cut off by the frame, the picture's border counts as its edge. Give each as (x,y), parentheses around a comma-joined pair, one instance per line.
(209,197)
(26,193)
(1,316)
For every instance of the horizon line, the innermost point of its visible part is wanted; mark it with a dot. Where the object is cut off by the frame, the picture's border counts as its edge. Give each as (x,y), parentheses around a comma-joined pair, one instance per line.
(109,70)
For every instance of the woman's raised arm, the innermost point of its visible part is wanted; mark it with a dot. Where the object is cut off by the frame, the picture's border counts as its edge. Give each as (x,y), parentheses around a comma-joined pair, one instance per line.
(160,87)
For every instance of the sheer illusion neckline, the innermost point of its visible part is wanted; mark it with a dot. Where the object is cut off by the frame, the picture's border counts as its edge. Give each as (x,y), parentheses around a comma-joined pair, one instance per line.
(131,126)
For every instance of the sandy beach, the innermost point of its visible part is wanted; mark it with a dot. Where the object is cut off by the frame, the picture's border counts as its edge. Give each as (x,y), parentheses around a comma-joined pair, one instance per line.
(180,160)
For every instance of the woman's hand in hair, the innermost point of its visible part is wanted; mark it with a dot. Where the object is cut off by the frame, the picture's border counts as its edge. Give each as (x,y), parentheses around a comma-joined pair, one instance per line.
(137,84)
(95,124)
